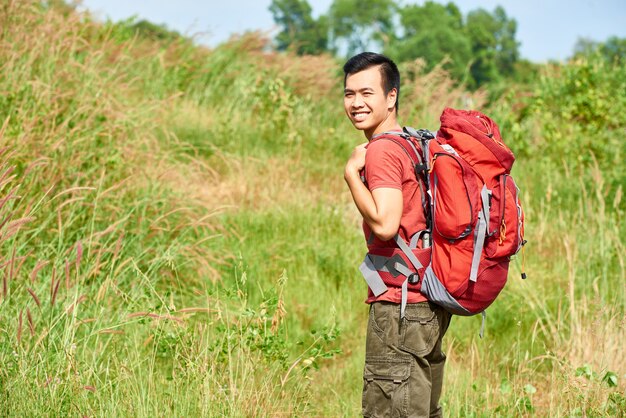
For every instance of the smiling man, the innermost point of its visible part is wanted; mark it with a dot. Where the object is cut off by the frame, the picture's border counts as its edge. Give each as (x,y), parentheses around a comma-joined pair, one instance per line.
(404,362)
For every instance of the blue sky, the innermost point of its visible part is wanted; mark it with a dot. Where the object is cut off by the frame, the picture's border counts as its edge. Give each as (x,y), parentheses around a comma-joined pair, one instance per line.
(547,29)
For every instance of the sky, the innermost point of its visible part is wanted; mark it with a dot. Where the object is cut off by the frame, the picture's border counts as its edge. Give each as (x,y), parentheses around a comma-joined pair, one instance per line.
(547,29)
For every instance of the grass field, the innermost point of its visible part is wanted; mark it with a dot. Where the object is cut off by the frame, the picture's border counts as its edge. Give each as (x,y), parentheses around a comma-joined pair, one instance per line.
(177,239)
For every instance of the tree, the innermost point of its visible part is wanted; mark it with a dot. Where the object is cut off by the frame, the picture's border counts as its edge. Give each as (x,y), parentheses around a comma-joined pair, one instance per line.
(433,32)
(358,23)
(155,32)
(613,50)
(300,30)
(585,46)
(494,47)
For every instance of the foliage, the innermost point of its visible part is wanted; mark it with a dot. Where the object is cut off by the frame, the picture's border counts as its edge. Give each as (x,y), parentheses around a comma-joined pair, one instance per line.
(494,47)
(575,113)
(478,49)
(433,32)
(154,32)
(359,26)
(613,50)
(299,29)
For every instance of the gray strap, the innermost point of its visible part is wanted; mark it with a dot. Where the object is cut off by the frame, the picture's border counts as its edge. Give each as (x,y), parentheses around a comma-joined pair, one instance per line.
(479,239)
(407,251)
(387,264)
(485,194)
(396,133)
(404,270)
(481,334)
(416,263)
(405,295)
(371,276)
(481,233)
(424,235)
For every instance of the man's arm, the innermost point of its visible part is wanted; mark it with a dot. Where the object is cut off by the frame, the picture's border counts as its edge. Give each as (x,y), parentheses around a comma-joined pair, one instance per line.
(382,208)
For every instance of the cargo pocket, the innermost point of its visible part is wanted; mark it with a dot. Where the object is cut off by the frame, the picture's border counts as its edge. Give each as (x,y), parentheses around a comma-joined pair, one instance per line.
(385,386)
(420,329)
(376,341)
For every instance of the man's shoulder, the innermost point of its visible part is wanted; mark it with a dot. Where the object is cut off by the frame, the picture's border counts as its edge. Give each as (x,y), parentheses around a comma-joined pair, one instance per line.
(387,145)
(388,149)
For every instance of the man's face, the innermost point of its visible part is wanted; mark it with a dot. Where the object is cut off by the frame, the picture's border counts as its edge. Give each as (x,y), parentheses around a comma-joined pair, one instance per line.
(365,102)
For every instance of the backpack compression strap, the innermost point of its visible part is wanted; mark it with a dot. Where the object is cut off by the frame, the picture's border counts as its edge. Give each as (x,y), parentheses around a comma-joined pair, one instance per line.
(416,264)
(371,264)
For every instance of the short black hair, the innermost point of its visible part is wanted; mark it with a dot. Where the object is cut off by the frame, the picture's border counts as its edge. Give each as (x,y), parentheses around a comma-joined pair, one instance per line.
(388,70)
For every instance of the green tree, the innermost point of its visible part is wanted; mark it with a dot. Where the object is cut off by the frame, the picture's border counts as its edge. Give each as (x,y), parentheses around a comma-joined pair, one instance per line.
(300,30)
(155,32)
(433,32)
(613,50)
(494,47)
(355,24)
(585,46)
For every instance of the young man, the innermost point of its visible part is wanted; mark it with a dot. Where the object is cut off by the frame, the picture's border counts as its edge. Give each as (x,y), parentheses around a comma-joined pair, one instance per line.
(404,362)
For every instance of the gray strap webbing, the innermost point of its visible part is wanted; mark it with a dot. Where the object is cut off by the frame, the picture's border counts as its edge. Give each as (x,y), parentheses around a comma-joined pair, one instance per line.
(424,235)
(396,133)
(388,264)
(416,263)
(405,295)
(485,194)
(481,334)
(404,270)
(371,276)
(407,251)
(481,233)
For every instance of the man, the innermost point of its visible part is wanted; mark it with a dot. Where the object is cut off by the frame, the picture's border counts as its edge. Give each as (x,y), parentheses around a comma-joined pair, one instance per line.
(404,362)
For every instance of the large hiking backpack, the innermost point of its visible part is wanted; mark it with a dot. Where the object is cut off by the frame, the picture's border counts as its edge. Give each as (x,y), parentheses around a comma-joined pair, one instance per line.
(475,221)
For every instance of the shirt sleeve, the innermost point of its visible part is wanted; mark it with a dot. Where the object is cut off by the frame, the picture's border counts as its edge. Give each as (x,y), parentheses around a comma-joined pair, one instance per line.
(384,165)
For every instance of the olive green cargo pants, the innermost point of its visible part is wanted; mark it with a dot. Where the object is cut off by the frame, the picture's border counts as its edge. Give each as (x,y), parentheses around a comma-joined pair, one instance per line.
(404,361)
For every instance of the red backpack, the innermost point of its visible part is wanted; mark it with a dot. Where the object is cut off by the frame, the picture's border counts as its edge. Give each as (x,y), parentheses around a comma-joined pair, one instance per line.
(475,218)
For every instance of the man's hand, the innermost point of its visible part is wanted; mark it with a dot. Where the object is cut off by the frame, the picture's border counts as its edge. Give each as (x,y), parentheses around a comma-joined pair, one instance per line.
(356,162)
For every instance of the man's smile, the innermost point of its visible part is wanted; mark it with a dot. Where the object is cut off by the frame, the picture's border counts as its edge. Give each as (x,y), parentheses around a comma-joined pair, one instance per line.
(360,115)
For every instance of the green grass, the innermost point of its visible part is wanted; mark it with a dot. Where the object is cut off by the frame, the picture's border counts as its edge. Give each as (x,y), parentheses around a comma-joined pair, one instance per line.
(179,240)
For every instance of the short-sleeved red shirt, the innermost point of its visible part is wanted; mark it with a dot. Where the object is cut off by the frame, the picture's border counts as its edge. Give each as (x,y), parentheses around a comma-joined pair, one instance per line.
(388,165)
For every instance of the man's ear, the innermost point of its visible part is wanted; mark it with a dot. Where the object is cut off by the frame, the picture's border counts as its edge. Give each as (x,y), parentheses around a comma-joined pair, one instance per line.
(392,96)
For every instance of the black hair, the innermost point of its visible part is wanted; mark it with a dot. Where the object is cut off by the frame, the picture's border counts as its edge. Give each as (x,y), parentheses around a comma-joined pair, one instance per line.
(388,70)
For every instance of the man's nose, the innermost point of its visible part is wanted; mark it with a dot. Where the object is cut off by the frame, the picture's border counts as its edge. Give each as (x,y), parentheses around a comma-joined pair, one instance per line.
(358,101)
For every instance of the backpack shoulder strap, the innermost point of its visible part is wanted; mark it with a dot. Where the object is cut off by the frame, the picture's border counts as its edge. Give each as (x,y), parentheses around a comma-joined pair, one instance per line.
(418,154)
(406,143)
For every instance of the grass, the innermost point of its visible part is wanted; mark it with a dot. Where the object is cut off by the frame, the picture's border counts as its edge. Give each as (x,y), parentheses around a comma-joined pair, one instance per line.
(177,238)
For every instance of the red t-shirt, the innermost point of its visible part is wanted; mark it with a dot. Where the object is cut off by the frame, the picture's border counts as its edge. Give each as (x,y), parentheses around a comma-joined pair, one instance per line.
(388,165)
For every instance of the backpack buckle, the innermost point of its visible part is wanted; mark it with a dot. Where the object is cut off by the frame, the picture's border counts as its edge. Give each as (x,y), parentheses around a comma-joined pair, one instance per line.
(420,168)
(414,278)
